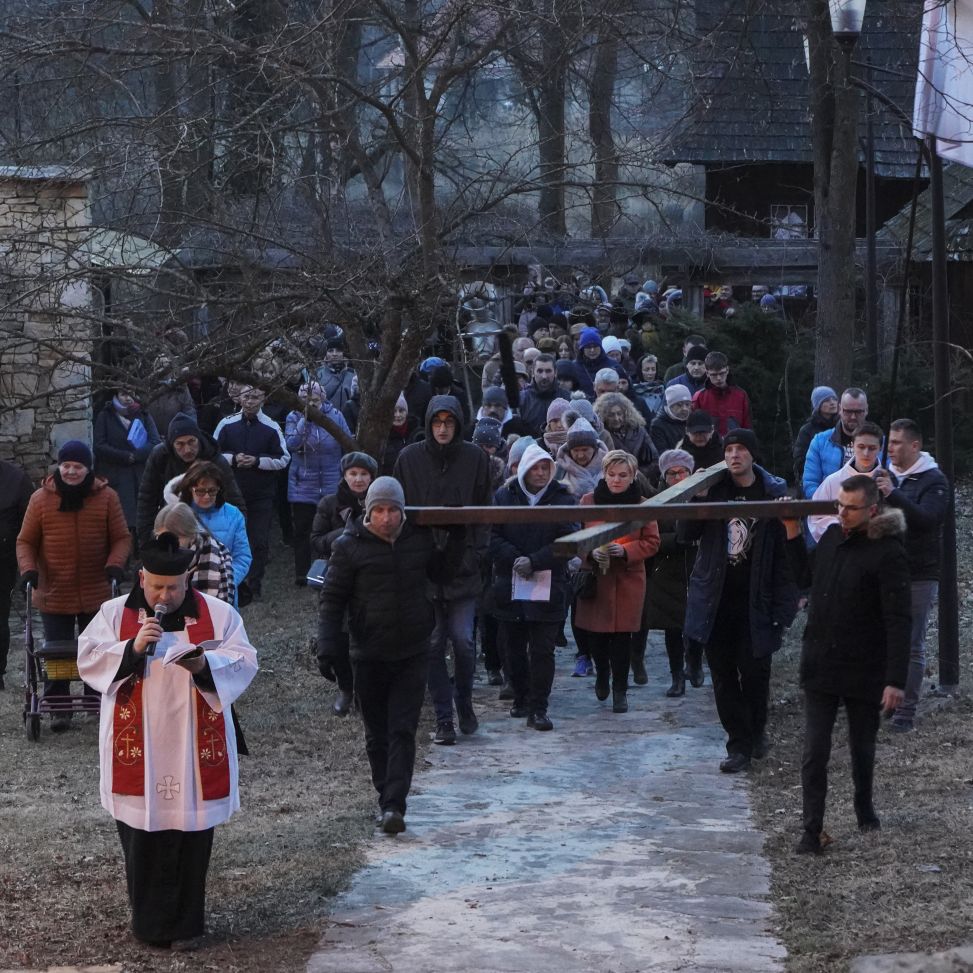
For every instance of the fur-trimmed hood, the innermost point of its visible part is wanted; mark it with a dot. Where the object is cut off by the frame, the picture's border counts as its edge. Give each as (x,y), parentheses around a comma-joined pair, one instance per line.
(889,523)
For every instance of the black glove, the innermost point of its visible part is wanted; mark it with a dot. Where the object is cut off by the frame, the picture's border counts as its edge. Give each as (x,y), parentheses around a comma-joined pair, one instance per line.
(29,578)
(326,668)
(114,573)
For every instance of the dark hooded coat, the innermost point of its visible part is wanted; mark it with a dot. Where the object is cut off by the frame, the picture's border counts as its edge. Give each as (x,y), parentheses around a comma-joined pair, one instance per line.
(454,475)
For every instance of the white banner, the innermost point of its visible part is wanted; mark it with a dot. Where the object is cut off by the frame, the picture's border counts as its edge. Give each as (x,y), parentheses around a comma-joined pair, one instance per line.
(944,87)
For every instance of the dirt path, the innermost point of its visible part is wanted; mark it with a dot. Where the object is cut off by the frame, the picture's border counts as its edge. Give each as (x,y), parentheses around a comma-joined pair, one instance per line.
(613,843)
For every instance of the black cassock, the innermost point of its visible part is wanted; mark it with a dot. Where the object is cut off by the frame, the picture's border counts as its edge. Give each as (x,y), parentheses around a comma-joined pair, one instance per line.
(166,875)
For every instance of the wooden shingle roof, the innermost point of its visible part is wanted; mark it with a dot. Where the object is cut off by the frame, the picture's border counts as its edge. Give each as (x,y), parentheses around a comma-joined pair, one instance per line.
(749,100)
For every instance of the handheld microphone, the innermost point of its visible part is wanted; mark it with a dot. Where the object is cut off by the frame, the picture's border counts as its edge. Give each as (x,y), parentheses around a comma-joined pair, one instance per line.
(160,611)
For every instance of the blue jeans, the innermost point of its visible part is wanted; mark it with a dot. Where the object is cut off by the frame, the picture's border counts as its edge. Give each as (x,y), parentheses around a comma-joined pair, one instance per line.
(923,598)
(454,623)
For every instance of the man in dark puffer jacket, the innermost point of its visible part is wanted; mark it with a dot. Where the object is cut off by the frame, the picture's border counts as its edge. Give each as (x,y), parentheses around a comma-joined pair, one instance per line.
(444,471)
(378,572)
(185,443)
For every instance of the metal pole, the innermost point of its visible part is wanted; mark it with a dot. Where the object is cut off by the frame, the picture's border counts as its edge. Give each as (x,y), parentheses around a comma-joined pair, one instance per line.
(871,228)
(948,600)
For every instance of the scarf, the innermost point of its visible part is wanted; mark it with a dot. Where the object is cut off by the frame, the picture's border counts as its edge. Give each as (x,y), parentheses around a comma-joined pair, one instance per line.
(555,440)
(603,496)
(127,411)
(72,497)
(350,501)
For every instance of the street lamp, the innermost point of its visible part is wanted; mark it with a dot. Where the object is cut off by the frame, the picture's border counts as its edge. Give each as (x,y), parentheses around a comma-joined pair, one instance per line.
(847,17)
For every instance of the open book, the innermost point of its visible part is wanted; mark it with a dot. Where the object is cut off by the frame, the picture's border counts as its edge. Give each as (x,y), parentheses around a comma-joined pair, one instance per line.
(182,650)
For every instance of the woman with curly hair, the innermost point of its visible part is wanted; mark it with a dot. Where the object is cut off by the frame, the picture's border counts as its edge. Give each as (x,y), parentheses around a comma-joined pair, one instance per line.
(627,429)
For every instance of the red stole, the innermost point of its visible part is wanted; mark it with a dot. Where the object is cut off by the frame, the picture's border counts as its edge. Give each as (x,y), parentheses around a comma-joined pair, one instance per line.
(128,745)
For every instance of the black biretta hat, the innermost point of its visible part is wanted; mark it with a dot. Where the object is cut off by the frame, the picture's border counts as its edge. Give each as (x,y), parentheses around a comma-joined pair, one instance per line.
(163,555)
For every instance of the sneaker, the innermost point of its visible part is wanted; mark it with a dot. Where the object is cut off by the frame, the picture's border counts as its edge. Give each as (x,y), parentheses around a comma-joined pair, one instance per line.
(581,666)
(589,669)
(519,710)
(507,693)
(392,822)
(494,677)
(810,844)
(342,703)
(899,725)
(539,721)
(869,823)
(734,763)
(445,734)
(602,686)
(468,723)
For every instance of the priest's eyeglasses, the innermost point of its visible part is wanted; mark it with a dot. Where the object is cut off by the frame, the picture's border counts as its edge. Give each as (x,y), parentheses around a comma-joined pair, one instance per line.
(206,491)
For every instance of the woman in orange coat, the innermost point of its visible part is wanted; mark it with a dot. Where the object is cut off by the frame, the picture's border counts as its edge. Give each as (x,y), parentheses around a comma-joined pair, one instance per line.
(74,542)
(614,614)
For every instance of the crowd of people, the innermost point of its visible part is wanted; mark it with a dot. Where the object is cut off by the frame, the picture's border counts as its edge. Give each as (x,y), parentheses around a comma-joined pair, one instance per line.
(598,420)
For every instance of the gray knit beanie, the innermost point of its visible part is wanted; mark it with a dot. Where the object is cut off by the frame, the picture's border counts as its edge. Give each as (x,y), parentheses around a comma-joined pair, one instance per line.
(386,489)
(675,457)
(359,460)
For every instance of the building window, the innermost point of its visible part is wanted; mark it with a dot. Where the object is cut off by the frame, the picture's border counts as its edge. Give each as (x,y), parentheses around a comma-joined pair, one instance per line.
(788,222)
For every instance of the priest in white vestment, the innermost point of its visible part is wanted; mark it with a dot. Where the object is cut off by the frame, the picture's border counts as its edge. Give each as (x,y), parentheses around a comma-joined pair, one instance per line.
(168,742)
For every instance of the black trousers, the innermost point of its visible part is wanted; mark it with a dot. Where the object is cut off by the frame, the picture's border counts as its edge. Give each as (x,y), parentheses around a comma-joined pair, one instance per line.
(302,517)
(741,683)
(390,695)
(59,628)
(613,651)
(260,514)
(529,665)
(8,576)
(166,875)
(820,712)
(490,641)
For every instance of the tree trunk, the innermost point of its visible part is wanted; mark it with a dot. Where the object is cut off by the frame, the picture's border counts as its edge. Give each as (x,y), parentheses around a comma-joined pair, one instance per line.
(551,150)
(604,205)
(834,131)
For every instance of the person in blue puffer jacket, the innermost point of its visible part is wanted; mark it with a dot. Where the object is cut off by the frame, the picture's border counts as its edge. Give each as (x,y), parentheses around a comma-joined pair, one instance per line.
(315,469)
(203,488)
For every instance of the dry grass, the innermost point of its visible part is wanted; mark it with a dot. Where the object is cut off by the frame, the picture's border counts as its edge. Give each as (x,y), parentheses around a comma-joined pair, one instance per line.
(307,810)
(906,887)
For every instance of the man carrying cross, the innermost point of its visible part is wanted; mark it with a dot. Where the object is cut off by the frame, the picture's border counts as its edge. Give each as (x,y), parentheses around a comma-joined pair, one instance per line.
(168,742)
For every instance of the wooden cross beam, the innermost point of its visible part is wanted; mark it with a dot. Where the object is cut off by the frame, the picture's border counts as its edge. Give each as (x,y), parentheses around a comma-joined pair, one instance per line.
(670,504)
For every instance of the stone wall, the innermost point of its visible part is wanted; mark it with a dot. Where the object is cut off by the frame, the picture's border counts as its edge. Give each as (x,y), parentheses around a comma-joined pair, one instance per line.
(45,316)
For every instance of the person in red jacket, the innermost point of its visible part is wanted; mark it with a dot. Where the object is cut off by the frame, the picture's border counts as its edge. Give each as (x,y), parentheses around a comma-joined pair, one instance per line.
(728,404)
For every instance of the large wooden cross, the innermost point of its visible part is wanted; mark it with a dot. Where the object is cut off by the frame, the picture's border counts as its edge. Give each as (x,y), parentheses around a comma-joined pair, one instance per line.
(617,521)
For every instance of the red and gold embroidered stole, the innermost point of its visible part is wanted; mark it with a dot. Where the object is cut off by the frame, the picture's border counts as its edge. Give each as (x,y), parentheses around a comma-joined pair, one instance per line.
(128,743)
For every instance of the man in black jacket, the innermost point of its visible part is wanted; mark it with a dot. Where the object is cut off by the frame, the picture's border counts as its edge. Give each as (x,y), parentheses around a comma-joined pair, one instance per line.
(444,471)
(526,551)
(377,574)
(15,493)
(538,396)
(253,444)
(856,643)
(917,487)
(185,443)
(741,599)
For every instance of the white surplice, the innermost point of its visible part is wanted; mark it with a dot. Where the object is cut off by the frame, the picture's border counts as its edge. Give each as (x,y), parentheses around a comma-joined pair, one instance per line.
(173,796)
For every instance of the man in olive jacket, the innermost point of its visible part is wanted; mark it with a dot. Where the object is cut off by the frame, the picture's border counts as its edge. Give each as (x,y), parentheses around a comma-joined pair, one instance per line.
(377,573)
(444,471)
(856,643)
